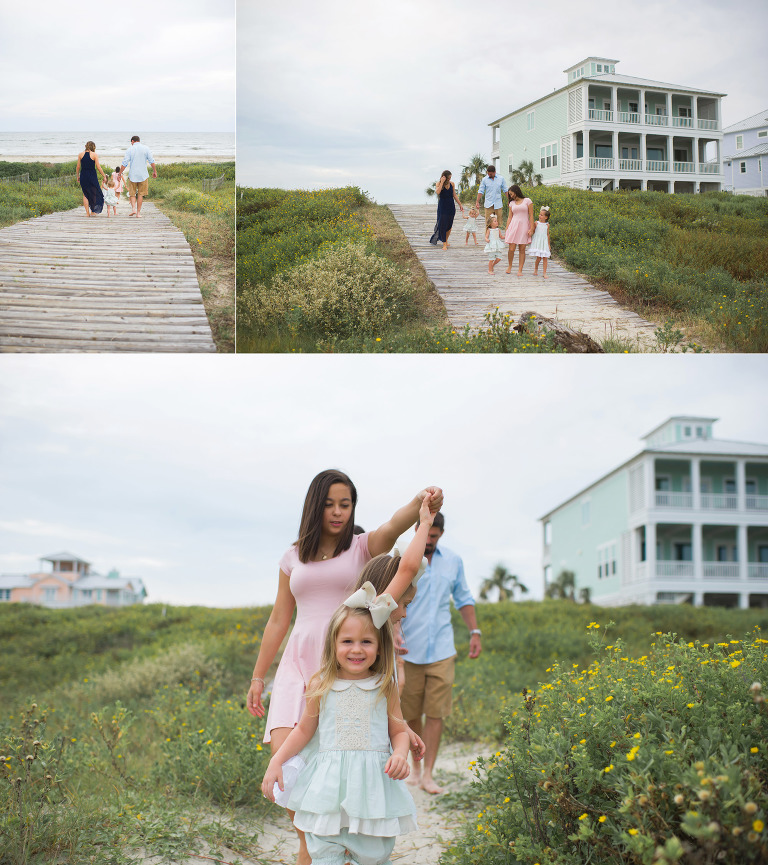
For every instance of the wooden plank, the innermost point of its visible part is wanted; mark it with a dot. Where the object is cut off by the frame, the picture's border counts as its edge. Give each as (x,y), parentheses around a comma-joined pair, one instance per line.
(460,275)
(69,283)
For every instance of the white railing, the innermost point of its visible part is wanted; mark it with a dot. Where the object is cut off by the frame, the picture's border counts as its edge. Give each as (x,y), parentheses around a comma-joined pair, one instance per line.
(682,121)
(602,116)
(721,570)
(657,165)
(719,501)
(674,569)
(758,571)
(495,149)
(684,167)
(674,500)
(601,163)
(630,164)
(629,117)
(578,164)
(707,124)
(757,503)
(709,168)
(657,119)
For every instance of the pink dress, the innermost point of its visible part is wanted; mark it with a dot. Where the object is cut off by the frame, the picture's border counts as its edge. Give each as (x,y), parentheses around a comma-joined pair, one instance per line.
(518,222)
(119,181)
(319,588)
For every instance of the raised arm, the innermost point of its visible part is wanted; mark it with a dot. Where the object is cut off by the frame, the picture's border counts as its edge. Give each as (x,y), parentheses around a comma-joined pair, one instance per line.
(383,539)
(410,561)
(297,739)
(274,634)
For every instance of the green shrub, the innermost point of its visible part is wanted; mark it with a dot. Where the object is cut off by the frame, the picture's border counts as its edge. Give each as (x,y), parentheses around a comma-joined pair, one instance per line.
(658,759)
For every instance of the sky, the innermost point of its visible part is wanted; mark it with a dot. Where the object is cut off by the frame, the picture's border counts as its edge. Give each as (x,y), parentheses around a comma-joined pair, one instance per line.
(387,95)
(165,67)
(190,472)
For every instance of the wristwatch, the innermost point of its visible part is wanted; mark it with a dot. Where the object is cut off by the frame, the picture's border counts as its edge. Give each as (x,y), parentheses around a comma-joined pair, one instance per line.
(476,631)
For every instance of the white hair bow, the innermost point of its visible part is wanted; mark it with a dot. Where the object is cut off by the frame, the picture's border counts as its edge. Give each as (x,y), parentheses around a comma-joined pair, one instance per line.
(422,567)
(365,599)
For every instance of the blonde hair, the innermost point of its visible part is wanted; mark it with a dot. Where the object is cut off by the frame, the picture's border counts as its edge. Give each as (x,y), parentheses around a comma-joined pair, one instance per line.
(111,181)
(383,667)
(89,145)
(379,572)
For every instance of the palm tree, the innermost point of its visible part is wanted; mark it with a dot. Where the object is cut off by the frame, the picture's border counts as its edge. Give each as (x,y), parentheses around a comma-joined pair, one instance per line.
(504,583)
(524,175)
(431,190)
(563,587)
(472,174)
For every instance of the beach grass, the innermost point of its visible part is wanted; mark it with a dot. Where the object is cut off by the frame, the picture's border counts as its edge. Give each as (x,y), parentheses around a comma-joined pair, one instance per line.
(140,743)
(207,220)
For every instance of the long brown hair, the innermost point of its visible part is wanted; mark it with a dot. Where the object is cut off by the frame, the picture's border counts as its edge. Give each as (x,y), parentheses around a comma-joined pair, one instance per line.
(379,572)
(311,527)
(383,666)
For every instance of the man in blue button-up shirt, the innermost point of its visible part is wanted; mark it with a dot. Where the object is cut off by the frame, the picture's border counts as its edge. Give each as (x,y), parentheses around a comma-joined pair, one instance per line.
(493,188)
(431,654)
(136,158)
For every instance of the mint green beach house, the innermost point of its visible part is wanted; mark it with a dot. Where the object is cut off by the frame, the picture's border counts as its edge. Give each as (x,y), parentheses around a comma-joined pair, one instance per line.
(604,131)
(683,521)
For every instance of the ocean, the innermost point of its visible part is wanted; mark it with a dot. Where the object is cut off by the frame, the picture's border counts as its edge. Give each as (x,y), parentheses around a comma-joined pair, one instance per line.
(165,146)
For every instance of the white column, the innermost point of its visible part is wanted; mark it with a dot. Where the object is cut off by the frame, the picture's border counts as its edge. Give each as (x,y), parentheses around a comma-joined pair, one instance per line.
(586,149)
(668,106)
(615,103)
(741,485)
(696,154)
(615,149)
(695,112)
(671,153)
(698,547)
(742,553)
(650,550)
(650,476)
(744,600)
(641,106)
(696,482)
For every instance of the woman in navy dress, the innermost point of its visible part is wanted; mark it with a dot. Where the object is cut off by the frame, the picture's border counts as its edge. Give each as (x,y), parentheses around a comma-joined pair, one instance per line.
(87,165)
(446,209)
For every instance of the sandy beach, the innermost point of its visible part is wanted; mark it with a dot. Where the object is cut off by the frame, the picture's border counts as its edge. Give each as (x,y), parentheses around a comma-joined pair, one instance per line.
(114,158)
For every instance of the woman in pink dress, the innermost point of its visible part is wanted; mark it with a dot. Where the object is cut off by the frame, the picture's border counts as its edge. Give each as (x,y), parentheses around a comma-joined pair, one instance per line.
(519,226)
(316,573)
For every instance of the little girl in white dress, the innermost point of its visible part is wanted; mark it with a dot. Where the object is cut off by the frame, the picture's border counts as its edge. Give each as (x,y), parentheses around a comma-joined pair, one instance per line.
(470,226)
(494,245)
(540,242)
(110,199)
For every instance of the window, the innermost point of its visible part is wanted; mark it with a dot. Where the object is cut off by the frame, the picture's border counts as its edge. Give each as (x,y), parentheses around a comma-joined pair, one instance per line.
(699,432)
(739,142)
(511,163)
(599,67)
(5,594)
(49,595)
(722,553)
(743,167)
(762,554)
(763,133)
(751,486)
(662,484)
(548,155)
(531,120)
(633,107)
(579,149)
(606,105)
(683,552)
(682,111)
(655,154)
(603,151)
(687,432)
(729,485)
(681,156)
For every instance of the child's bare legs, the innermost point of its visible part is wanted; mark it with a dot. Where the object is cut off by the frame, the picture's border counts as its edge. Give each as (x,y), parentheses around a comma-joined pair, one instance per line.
(492,264)
(475,237)
(544,265)
(466,242)
(536,266)
(279,735)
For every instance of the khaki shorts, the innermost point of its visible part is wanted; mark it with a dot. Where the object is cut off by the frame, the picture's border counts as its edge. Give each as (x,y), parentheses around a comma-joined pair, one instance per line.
(489,211)
(140,188)
(428,689)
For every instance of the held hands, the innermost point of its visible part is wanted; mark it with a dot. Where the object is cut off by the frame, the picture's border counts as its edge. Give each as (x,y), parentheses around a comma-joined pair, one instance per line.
(437,498)
(272,775)
(397,768)
(418,748)
(253,701)
(426,514)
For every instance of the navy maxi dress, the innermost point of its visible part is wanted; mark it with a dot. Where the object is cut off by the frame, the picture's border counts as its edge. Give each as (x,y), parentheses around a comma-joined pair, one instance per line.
(446,211)
(89,182)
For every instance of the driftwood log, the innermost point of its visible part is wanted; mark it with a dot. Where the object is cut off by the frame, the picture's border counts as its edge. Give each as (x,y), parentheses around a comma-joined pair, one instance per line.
(565,337)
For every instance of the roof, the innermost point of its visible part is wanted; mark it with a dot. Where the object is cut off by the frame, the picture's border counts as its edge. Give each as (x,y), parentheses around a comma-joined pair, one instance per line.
(589,60)
(15,581)
(693,447)
(756,120)
(63,557)
(645,83)
(98,581)
(683,418)
(757,150)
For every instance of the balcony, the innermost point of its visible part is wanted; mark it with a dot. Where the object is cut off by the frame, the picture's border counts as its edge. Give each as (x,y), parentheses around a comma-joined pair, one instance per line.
(674,569)
(708,124)
(629,117)
(601,116)
(721,570)
(657,165)
(709,168)
(601,163)
(719,501)
(757,503)
(684,167)
(757,571)
(630,165)
(674,500)
(683,121)
(657,120)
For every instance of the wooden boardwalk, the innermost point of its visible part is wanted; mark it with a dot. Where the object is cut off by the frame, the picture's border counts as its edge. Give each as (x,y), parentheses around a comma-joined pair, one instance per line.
(73,284)
(460,275)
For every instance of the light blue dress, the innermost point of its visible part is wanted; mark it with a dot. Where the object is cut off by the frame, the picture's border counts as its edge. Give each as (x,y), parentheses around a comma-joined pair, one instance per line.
(343,785)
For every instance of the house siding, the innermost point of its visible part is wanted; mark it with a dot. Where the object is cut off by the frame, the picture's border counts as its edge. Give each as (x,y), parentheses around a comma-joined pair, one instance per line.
(516,139)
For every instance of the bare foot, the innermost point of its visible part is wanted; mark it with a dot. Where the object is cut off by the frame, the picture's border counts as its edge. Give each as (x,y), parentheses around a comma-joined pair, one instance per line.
(545,276)
(508,270)
(429,786)
(519,272)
